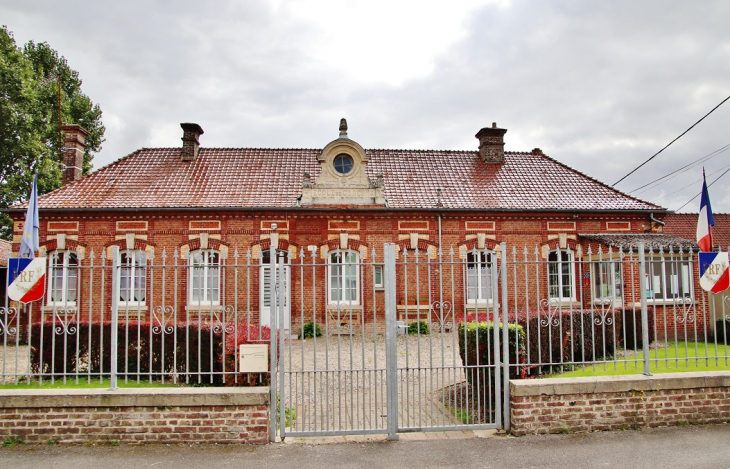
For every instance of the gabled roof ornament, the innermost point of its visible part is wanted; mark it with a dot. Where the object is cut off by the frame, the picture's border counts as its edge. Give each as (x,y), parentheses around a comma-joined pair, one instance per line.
(343,128)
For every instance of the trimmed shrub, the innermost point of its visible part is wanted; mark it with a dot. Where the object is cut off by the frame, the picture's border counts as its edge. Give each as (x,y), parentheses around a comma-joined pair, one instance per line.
(418,327)
(631,337)
(190,352)
(722,330)
(308,330)
(555,339)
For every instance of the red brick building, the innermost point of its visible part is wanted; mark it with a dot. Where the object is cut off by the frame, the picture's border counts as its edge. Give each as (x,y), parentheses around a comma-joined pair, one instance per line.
(206,218)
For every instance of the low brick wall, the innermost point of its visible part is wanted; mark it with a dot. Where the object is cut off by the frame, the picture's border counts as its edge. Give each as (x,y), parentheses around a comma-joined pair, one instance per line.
(136,416)
(562,405)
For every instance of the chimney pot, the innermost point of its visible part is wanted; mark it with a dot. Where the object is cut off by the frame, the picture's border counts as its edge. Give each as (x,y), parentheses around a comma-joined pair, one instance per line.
(491,144)
(191,141)
(73,158)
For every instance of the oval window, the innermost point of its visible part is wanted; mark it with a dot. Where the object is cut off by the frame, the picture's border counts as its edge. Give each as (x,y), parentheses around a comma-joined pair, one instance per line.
(343,163)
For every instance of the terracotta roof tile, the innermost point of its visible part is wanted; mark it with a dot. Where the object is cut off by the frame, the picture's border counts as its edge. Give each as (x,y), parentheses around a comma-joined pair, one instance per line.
(684,225)
(252,177)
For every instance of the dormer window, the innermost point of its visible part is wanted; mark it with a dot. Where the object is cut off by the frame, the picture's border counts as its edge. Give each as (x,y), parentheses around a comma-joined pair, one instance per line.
(343,163)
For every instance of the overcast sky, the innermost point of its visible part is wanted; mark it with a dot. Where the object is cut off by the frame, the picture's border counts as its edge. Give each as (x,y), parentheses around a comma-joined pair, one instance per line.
(600,86)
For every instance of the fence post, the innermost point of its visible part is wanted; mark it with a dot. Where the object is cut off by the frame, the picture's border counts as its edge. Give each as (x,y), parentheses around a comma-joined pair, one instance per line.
(644,314)
(505,338)
(391,356)
(273,345)
(280,327)
(114,356)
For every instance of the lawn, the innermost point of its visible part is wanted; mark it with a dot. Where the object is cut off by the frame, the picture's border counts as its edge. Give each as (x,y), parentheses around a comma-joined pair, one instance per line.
(677,356)
(83,384)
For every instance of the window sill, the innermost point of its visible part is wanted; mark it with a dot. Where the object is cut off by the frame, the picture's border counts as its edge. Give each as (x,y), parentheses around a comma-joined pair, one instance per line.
(344,307)
(58,308)
(691,302)
(203,308)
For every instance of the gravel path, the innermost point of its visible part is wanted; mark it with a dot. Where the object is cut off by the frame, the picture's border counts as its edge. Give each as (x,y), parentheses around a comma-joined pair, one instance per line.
(339,382)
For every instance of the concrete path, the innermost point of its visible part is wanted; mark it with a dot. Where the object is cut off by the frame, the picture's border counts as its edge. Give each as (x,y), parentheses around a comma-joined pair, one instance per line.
(693,446)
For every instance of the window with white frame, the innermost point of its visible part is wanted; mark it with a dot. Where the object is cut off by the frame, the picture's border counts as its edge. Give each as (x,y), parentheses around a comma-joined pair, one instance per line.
(132,281)
(606,281)
(344,277)
(478,277)
(378,276)
(205,277)
(63,279)
(561,278)
(669,279)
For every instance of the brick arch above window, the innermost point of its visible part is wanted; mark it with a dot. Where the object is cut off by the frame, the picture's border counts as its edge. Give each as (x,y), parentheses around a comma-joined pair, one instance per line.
(194,245)
(423,244)
(52,245)
(553,244)
(139,244)
(353,244)
(265,244)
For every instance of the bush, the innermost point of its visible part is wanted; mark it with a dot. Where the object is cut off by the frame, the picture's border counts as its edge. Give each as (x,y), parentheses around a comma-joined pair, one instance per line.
(551,340)
(198,352)
(308,330)
(722,330)
(632,338)
(418,327)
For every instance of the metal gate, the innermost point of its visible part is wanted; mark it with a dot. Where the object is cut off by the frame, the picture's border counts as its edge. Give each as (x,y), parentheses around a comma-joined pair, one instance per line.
(365,373)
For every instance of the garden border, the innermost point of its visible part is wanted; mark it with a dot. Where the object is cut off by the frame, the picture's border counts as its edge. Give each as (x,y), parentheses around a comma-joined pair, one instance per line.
(136,415)
(567,405)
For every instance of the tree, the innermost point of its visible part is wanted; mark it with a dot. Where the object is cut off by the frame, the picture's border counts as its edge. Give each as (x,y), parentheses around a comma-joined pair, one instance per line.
(29,136)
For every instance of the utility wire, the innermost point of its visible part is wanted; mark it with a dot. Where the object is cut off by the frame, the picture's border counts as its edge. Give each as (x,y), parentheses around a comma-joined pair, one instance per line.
(682,169)
(693,198)
(690,184)
(667,146)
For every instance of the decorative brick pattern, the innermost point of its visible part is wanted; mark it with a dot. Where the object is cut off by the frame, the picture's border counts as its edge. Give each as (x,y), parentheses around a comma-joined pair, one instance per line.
(131,225)
(63,226)
(579,405)
(174,415)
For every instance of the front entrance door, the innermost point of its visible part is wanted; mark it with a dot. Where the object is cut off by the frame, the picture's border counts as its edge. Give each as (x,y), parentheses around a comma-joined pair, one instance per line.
(265,287)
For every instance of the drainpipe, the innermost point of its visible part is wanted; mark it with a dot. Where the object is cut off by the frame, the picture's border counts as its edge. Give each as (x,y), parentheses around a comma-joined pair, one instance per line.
(654,220)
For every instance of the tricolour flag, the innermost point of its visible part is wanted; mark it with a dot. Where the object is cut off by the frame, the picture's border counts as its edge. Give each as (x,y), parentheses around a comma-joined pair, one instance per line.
(705,221)
(29,241)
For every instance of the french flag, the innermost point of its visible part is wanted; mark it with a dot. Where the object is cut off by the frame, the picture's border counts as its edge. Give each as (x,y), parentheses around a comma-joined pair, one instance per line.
(705,221)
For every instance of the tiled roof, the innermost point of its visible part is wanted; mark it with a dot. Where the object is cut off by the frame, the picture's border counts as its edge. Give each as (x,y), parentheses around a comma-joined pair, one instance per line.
(5,247)
(651,241)
(249,177)
(684,225)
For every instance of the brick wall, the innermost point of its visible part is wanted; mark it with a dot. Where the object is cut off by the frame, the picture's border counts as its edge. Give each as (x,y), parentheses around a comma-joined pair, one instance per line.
(136,416)
(567,405)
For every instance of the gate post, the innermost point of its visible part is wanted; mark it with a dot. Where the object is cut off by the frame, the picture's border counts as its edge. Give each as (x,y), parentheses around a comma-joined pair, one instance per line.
(273,345)
(114,356)
(391,356)
(644,313)
(505,338)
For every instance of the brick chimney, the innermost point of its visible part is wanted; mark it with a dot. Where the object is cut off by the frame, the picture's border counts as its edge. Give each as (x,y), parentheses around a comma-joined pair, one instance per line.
(73,156)
(191,142)
(491,144)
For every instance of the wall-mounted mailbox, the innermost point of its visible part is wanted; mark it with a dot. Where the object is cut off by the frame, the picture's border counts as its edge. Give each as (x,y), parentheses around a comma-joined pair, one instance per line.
(254,358)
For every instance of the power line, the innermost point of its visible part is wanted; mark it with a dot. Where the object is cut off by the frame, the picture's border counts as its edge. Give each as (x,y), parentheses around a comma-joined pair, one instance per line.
(667,146)
(682,169)
(690,184)
(693,198)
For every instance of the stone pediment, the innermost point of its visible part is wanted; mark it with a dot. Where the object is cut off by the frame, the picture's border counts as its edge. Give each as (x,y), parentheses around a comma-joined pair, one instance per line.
(343,180)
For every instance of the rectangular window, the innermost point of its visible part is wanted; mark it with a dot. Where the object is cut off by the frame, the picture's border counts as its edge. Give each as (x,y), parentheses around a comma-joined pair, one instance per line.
(132,278)
(561,281)
(669,279)
(606,277)
(205,277)
(378,276)
(63,279)
(344,277)
(479,277)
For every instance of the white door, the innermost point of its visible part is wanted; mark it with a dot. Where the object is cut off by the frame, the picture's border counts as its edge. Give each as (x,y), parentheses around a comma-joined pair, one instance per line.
(265,288)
